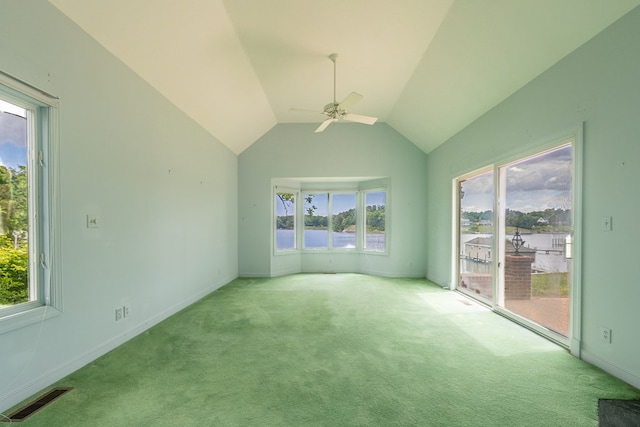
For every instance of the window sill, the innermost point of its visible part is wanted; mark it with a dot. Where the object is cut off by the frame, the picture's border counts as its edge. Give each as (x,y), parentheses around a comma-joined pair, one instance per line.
(329,251)
(27,317)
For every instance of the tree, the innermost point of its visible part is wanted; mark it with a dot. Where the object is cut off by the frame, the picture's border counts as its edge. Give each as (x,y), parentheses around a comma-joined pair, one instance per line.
(14,225)
(287,200)
(286,221)
(14,280)
(19,218)
(13,200)
(6,199)
(311,208)
(375,218)
(344,220)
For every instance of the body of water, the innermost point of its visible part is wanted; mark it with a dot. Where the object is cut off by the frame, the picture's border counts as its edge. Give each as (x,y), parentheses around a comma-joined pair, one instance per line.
(554,261)
(317,239)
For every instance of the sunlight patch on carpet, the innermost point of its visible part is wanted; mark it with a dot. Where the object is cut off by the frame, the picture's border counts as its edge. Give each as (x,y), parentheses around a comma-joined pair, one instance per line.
(491,331)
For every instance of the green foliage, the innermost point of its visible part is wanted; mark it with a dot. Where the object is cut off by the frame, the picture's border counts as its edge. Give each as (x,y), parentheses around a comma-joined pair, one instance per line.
(6,198)
(13,200)
(311,208)
(14,280)
(311,220)
(285,222)
(476,217)
(315,221)
(14,223)
(550,284)
(344,220)
(287,200)
(376,218)
(19,219)
(547,220)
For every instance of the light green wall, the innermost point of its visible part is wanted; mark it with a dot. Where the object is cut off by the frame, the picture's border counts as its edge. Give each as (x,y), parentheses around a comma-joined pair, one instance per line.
(343,150)
(599,85)
(165,239)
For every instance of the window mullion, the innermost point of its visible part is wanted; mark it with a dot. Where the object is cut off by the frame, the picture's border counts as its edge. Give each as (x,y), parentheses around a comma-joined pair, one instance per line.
(330,221)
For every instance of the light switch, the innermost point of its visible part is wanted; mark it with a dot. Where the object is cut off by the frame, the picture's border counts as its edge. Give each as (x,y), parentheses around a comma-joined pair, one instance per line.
(606,223)
(93,221)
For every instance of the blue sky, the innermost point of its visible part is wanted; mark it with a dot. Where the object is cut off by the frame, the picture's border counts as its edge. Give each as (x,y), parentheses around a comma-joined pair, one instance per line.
(13,135)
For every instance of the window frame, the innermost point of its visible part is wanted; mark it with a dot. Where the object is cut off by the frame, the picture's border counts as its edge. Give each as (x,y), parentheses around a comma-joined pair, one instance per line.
(330,190)
(330,214)
(304,195)
(296,197)
(573,136)
(44,240)
(364,220)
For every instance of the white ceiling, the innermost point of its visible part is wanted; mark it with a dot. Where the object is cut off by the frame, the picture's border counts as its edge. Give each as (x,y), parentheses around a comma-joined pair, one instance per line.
(427,68)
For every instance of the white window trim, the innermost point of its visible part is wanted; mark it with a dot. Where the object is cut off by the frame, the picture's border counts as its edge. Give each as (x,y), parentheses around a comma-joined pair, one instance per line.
(296,192)
(358,245)
(49,304)
(302,211)
(387,239)
(574,136)
(330,248)
(360,192)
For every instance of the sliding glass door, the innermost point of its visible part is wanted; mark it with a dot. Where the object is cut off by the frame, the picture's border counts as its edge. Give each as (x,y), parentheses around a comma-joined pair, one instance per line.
(475,237)
(515,241)
(536,228)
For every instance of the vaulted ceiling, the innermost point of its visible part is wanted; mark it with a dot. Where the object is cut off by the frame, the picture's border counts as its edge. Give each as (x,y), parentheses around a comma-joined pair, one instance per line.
(427,68)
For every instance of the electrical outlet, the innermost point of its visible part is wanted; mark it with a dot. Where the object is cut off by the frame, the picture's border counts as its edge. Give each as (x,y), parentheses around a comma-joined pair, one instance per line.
(118,314)
(125,311)
(605,335)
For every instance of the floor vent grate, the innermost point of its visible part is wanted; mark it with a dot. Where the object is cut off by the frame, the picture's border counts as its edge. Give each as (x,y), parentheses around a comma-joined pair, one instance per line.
(33,407)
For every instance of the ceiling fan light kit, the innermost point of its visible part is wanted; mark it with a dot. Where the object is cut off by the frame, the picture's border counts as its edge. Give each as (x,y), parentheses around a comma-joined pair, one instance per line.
(338,110)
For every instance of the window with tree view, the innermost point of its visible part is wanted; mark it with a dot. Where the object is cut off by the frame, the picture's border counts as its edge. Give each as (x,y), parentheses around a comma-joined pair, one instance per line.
(26,122)
(14,206)
(343,221)
(330,211)
(375,221)
(316,230)
(285,221)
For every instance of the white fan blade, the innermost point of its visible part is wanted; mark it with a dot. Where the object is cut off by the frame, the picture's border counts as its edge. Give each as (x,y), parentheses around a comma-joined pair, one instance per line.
(303,110)
(323,125)
(367,120)
(350,100)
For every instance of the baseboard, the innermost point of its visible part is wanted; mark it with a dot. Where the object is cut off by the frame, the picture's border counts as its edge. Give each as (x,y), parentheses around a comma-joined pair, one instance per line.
(440,282)
(614,370)
(390,275)
(38,384)
(252,275)
(284,273)
(360,271)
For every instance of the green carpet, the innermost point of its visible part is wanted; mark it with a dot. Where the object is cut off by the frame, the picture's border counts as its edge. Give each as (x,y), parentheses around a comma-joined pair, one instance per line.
(334,350)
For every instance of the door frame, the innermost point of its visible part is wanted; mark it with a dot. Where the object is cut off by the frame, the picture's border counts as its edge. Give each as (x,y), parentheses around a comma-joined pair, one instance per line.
(574,136)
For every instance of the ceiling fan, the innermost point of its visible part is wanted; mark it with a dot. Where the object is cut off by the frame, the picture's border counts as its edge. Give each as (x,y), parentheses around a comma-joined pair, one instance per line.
(338,110)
